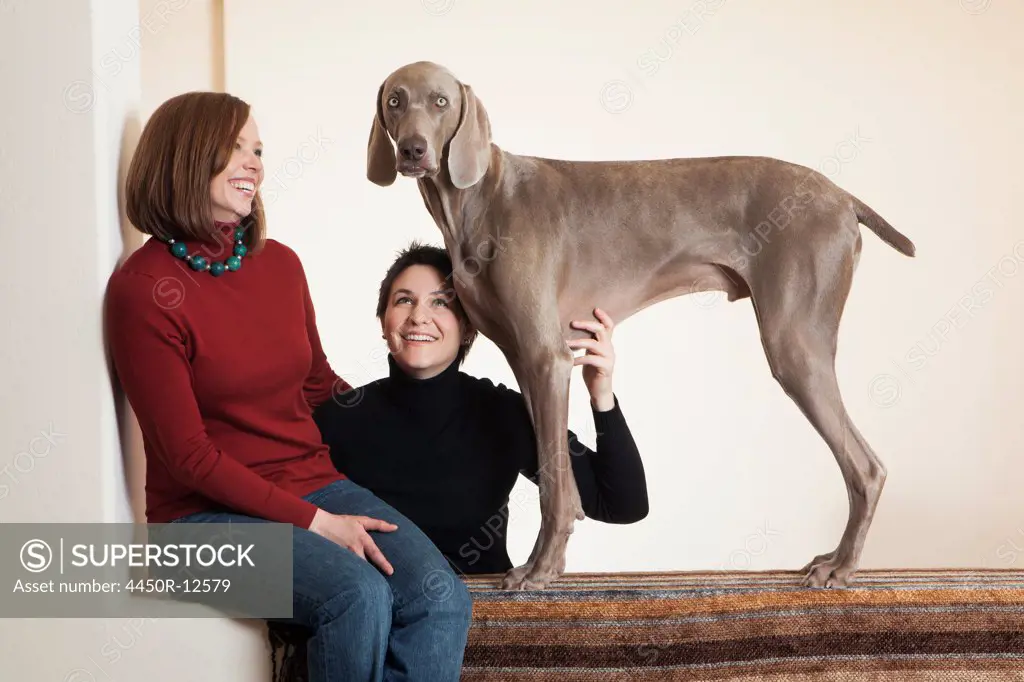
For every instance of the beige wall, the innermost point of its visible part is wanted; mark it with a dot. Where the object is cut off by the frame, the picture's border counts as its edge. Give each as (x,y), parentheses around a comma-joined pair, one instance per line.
(71,119)
(911,108)
(183,52)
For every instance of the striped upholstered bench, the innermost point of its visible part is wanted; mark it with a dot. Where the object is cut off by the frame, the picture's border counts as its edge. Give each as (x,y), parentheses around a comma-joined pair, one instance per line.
(907,626)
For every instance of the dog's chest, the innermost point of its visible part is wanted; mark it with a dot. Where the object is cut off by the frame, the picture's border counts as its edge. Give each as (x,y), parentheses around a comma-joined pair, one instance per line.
(481,303)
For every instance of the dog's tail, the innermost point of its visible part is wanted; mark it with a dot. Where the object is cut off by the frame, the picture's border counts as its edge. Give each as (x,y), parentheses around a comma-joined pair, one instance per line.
(886,232)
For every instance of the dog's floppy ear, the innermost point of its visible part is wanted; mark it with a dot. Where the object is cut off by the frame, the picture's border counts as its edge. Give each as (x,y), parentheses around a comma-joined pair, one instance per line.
(469,154)
(380,153)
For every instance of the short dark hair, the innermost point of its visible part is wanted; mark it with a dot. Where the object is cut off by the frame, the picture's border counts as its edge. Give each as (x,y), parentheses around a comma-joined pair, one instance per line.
(437,258)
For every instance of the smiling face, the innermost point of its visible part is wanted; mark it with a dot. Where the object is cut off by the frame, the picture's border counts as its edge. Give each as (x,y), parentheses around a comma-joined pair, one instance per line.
(420,324)
(233,189)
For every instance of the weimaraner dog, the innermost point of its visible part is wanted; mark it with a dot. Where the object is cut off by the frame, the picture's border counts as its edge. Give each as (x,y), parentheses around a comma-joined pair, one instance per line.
(537,242)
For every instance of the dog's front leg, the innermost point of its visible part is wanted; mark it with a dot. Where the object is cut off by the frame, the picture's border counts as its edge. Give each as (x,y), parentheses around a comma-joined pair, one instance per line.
(545,370)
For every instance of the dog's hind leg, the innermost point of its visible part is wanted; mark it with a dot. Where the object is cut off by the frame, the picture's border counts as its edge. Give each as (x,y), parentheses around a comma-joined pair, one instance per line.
(798,309)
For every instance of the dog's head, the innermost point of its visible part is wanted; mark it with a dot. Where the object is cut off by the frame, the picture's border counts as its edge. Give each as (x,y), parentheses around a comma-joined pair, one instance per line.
(434,121)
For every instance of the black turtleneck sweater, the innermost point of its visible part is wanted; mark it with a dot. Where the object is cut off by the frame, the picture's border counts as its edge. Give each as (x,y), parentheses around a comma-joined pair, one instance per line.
(446,452)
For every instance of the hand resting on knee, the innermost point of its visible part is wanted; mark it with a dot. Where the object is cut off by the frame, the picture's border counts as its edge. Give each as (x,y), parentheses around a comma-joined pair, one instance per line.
(351,533)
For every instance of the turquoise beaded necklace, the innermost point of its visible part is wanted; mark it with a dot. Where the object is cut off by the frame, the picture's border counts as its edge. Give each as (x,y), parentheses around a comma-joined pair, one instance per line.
(217,268)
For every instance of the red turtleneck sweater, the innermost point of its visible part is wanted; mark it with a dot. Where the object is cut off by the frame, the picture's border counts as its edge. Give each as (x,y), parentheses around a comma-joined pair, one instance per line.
(222,374)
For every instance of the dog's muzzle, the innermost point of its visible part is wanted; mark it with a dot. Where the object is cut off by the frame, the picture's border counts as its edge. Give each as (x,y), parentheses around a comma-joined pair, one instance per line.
(414,159)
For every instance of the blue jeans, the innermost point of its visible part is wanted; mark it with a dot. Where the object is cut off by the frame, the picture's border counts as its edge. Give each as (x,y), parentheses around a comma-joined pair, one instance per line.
(409,626)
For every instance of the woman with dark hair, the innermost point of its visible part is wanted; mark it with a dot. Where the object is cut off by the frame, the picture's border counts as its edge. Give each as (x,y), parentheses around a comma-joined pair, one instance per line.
(214,340)
(445,448)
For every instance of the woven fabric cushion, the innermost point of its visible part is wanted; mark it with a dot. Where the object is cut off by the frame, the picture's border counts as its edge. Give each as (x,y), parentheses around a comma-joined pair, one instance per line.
(941,626)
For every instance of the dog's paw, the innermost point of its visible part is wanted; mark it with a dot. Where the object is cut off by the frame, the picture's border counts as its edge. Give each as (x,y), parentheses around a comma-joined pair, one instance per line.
(828,571)
(528,577)
(516,579)
(523,585)
(820,559)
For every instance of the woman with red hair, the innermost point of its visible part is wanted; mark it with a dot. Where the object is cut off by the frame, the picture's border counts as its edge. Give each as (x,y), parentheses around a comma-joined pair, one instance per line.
(214,340)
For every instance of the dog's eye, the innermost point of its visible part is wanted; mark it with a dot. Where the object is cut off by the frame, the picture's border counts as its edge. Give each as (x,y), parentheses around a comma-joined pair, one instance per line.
(392,101)
(442,101)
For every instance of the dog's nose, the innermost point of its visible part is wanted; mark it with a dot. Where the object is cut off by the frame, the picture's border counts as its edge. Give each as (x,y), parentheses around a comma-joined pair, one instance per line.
(413,148)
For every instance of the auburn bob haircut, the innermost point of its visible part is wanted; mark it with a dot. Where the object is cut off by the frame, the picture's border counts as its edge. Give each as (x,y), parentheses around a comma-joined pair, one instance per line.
(187,142)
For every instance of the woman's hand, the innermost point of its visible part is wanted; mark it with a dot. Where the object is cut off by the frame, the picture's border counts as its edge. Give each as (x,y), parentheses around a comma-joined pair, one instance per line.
(350,533)
(599,360)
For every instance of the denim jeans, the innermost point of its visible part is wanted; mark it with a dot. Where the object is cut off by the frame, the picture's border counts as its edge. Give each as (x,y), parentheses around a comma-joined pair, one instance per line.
(410,626)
